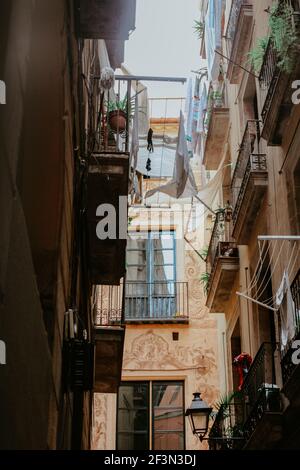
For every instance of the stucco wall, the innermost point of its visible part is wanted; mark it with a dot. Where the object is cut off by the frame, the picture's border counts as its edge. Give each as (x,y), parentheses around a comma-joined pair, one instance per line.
(151,354)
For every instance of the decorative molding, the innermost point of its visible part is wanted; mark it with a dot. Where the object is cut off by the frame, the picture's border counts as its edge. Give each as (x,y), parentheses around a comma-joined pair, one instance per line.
(151,351)
(100,422)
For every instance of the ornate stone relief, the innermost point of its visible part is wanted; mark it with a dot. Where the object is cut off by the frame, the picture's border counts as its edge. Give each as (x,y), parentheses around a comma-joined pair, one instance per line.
(151,351)
(100,419)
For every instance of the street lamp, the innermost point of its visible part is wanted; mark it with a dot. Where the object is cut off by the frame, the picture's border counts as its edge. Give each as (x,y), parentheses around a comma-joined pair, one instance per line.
(198,414)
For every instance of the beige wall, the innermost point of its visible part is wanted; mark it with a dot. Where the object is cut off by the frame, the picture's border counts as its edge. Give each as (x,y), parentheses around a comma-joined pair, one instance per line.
(151,354)
(274,216)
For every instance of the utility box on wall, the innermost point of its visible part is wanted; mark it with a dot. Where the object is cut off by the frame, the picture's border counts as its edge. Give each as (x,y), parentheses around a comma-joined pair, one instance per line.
(107,181)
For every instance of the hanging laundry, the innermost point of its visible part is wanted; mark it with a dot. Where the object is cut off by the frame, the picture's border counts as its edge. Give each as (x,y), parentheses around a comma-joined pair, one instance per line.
(284,300)
(150,141)
(202,107)
(135,136)
(183,183)
(213,37)
(189,110)
(242,362)
(148,165)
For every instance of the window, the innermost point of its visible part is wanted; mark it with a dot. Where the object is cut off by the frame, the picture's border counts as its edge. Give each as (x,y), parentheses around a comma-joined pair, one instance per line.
(151,257)
(151,275)
(150,416)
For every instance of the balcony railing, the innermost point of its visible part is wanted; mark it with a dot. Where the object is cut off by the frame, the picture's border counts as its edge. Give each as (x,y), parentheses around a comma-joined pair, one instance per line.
(260,394)
(235,422)
(227,431)
(250,159)
(232,22)
(156,301)
(218,247)
(268,78)
(216,101)
(273,79)
(109,306)
(287,364)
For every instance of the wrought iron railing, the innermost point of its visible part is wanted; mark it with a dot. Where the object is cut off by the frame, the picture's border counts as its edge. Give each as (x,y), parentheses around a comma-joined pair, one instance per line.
(250,159)
(235,422)
(227,431)
(108,305)
(268,78)
(217,246)
(216,100)
(287,364)
(233,21)
(156,301)
(259,392)
(270,70)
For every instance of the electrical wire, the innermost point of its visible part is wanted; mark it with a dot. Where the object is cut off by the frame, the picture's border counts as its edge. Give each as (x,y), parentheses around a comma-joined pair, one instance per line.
(259,291)
(259,266)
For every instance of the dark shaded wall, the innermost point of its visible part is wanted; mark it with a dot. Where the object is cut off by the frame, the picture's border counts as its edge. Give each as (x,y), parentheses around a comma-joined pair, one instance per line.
(37,142)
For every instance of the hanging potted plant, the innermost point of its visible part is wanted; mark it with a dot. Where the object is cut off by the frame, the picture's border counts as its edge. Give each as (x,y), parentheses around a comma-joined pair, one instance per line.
(117,115)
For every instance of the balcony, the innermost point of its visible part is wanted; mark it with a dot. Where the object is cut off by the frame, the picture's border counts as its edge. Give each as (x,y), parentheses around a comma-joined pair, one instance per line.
(254,419)
(109,335)
(222,265)
(227,432)
(262,426)
(156,302)
(217,122)
(290,370)
(237,37)
(276,89)
(249,183)
(107,182)
(106,19)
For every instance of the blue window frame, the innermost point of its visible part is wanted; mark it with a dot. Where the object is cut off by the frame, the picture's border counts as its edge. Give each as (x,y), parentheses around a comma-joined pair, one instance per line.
(151,275)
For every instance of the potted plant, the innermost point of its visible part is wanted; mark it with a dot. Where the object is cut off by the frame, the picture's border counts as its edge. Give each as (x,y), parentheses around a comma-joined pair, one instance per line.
(117,114)
(218,99)
(199,28)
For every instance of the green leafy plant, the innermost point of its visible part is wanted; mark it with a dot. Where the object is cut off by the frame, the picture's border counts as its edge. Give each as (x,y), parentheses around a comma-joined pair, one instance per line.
(204,279)
(283,36)
(199,28)
(257,53)
(217,95)
(204,252)
(225,400)
(222,414)
(117,105)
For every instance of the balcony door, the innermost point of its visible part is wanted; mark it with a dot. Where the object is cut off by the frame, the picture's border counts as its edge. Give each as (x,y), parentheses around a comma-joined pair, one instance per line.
(151,275)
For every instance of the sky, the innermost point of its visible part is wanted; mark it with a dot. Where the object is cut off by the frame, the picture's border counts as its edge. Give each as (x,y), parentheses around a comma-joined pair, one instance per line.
(164,44)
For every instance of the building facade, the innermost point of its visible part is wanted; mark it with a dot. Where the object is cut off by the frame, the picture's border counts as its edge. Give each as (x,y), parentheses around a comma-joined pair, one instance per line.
(50,53)
(253,260)
(173,347)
